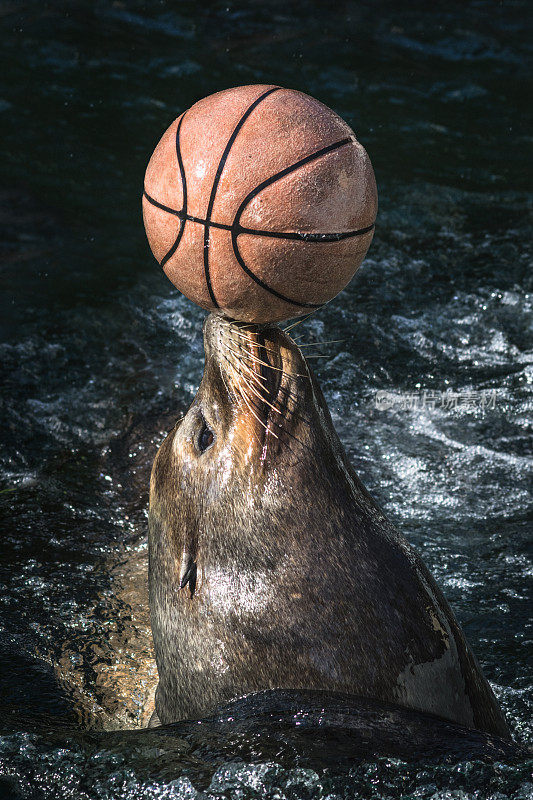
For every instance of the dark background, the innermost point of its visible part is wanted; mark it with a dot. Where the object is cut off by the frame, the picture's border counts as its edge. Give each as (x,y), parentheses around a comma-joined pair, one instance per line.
(99,353)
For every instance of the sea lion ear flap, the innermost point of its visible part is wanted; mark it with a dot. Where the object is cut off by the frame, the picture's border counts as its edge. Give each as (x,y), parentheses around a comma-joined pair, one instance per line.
(187,574)
(185,546)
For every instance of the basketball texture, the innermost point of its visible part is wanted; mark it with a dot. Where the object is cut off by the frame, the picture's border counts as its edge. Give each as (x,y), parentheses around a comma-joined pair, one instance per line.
(260,202)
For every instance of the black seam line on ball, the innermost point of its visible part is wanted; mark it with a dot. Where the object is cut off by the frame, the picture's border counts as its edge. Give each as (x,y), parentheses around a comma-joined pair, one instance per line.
(216,181)
(294,235)
(281,174)
(189,217)
(302,237)
(183,214)
(236,228)
(261,283)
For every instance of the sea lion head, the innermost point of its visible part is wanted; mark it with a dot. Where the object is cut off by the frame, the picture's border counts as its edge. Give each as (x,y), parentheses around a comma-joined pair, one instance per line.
(253,462)
(258,426)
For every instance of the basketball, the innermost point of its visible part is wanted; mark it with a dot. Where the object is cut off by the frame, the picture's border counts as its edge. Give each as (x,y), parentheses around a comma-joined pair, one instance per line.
(259,202)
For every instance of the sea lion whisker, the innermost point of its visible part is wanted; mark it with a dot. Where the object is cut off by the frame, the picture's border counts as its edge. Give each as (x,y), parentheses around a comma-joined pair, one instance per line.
(242,377)
(242,328)
(283,389)
(249,403)
(262,398)
(298,336)
(230,345)
(258,361)
(245,326)
(231,334)
(253,402)
(318,344)
(230,394)
(234,330)
(231,367)
(254,375)
(248,339)
(253,341)
(287,433)
(279,369)
(265,426)
(259,380)
(243,398)
(247,354)
(241,354)
(254,389)
(302,319)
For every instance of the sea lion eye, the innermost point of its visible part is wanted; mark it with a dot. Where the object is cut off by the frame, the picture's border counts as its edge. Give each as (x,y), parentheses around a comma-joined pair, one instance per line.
(206,438)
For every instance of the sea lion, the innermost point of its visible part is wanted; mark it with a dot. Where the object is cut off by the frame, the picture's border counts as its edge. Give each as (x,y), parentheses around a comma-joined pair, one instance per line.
(271,566)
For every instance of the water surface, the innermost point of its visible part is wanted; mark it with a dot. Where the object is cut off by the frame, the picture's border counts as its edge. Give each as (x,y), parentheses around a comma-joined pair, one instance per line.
(99,354)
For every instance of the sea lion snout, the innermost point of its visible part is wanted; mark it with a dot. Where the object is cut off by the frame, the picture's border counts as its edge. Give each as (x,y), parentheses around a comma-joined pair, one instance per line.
(257,374)
(228,343)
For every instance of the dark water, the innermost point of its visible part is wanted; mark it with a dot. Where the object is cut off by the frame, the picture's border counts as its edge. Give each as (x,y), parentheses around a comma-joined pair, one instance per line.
(99,353)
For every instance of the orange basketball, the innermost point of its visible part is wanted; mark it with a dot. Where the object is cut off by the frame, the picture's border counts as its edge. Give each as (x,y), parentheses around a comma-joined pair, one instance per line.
(260,202)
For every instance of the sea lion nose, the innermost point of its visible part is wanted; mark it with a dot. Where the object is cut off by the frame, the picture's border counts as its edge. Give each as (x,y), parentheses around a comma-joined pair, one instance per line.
(211,336)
